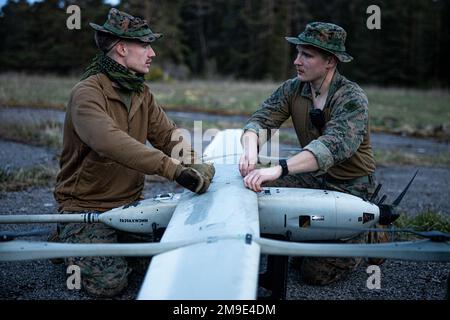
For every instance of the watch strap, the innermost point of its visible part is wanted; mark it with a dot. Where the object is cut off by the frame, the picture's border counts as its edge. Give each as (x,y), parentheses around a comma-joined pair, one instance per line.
(284,168)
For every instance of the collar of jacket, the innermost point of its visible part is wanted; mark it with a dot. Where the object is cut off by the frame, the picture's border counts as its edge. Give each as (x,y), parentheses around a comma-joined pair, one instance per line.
(111,93)
(334,86)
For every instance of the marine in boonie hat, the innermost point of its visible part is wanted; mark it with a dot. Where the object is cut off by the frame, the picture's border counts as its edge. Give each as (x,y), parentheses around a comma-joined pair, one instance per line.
(124,25)
(326,36)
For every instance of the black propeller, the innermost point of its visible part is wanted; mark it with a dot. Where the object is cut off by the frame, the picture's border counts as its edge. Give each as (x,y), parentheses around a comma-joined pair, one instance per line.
(375,193)
(388,213)
(382,199)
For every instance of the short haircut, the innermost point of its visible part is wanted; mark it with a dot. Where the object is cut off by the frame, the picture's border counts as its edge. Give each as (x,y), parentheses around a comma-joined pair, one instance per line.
(105,41)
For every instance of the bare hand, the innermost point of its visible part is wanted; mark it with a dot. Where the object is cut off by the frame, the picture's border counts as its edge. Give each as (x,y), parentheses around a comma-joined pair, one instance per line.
(247,163)
(256,178)
(249,157)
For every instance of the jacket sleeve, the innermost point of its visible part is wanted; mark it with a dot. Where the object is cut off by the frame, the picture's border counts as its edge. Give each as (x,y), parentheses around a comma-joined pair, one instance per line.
(344,133)
(163,134)
(273,111)
(98,130)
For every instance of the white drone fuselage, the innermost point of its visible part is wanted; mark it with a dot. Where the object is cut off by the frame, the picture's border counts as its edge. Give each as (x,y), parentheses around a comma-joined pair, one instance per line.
(297,213)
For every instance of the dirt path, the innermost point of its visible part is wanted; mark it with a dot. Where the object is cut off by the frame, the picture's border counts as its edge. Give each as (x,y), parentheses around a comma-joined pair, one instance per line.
(14,156)
(380,141)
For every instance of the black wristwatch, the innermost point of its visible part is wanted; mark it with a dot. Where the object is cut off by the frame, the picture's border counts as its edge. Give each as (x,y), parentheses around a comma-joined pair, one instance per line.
(284,168)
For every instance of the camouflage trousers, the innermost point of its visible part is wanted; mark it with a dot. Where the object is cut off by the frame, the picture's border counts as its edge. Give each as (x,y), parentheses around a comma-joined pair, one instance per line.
(103,276)
(323,271)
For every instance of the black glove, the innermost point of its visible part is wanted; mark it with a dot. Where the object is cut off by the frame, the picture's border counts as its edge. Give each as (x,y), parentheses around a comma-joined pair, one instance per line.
(193,180)
(205,169)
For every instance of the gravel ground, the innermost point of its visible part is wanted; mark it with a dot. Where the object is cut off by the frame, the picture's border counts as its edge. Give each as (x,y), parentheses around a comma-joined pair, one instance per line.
(399,279)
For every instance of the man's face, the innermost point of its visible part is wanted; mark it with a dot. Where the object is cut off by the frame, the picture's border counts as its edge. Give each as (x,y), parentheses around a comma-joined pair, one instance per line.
(138,56)
(311,65)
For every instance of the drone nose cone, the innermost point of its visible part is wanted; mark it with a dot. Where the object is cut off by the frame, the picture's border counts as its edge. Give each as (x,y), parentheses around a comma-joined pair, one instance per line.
(388,214)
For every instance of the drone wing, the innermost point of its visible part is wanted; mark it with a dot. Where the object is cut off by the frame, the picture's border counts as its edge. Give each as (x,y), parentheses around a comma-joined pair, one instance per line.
(225,265)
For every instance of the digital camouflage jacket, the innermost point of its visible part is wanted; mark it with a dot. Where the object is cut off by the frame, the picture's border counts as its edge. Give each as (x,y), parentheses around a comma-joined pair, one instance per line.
(342,148)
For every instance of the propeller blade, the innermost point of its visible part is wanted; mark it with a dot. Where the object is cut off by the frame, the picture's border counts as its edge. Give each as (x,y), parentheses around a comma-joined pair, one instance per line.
(382,199)
(375,194)
(400,197)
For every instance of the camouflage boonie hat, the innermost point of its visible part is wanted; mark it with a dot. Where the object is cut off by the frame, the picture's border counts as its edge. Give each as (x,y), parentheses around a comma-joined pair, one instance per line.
(124,25)
(326,36)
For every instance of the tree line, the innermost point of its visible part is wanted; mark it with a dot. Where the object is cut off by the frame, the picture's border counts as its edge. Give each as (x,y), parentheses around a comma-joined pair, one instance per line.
(239,38)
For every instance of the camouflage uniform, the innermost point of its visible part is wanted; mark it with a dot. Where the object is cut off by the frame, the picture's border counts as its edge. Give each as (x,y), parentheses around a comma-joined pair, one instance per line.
(342,147)
(103,276)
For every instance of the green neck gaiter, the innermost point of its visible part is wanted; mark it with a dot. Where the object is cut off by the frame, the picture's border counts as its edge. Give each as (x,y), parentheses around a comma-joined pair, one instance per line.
(115,72)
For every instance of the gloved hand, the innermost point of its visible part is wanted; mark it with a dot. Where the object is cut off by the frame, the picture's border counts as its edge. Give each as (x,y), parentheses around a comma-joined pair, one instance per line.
(206,169)
(192,179)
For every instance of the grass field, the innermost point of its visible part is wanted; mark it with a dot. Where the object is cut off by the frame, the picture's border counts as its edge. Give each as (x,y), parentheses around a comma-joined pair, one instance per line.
(407,111)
